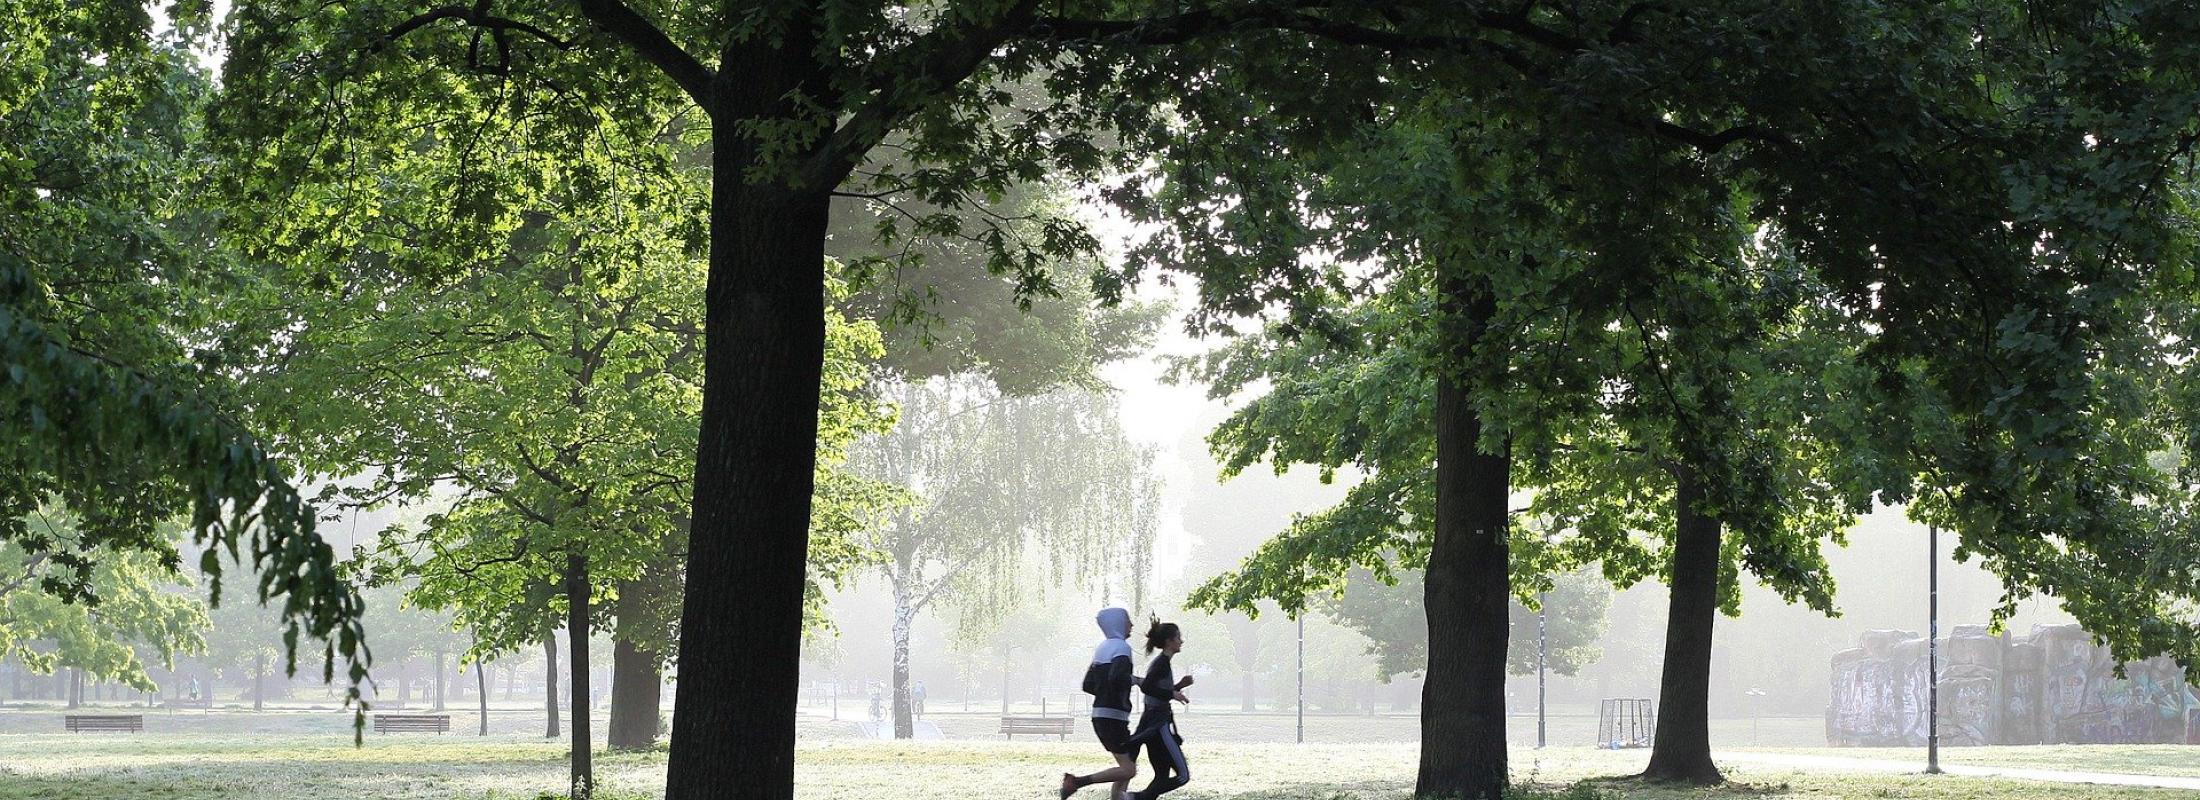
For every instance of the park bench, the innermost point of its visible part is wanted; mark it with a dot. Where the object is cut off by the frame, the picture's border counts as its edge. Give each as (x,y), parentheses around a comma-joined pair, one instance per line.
(1057,727)
(96,723)
(412,723)
(186,702)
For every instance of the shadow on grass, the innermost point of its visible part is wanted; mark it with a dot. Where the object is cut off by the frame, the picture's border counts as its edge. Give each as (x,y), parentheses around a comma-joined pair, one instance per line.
(1618,787)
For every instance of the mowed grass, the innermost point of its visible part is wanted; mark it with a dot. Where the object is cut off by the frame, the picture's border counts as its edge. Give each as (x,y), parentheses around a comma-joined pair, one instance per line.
(271,767)
(2170,760)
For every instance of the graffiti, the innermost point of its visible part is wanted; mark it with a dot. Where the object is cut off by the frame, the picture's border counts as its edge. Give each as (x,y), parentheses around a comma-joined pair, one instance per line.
(2052,686)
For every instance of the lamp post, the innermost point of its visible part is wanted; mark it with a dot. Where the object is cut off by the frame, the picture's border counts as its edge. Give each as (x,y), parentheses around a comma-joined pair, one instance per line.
(1757,707)
(1932,650)
(1542,658)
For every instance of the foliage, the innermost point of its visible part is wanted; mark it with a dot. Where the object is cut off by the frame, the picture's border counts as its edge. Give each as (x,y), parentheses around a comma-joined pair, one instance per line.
(136,604)
(107,401)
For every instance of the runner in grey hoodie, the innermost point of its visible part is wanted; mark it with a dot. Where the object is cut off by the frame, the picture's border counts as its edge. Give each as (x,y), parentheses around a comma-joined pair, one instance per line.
(1109,680)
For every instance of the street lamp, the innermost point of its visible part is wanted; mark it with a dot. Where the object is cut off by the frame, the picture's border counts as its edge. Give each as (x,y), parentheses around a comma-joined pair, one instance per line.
(1542,658)
(1758,717)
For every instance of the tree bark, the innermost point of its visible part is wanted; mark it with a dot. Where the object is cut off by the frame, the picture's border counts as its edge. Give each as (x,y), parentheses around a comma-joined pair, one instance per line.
(481,683)
(635,679)
(576,639)
(550,683)
(1682,750)
(1463,700)
(438,680)
(904,724)
(748,550)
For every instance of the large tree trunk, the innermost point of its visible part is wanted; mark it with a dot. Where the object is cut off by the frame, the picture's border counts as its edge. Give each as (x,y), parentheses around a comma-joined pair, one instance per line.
(550,683)
(438,680)
(576,638)
(1682,750)
(748,549)
(1463,700)
(635,679)
(1245,691)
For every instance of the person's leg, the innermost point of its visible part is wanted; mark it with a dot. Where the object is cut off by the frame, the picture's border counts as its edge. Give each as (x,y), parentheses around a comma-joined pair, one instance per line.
(1126,768)
(1170,769)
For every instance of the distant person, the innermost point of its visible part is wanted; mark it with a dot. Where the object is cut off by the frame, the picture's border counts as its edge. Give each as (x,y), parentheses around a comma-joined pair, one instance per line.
(194,689)
(1157,723)
(1109,680)
(916,700)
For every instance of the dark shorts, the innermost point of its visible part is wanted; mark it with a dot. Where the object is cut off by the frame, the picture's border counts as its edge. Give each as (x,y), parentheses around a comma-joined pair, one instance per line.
(1115,734)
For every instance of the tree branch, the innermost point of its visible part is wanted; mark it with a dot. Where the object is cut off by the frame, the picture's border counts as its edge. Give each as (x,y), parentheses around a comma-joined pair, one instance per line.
(651,43)
(477,16)
(1194,25)
(936,62)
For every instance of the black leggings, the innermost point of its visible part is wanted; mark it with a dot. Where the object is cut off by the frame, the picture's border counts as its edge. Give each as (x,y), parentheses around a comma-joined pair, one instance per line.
(1166,754)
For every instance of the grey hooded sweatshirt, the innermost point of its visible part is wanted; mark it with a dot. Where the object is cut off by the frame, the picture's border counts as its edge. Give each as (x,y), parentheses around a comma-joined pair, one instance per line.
(1109,679)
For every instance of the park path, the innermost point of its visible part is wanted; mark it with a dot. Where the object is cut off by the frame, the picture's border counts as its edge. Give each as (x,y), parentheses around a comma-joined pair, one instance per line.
(1841,764)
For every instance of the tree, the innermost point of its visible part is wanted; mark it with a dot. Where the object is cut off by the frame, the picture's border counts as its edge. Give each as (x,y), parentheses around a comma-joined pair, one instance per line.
(554,388)
(996,479)
(107,409)
(135,606)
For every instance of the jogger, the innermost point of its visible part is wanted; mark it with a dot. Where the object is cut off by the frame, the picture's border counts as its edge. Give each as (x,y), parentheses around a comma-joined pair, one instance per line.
(1157,724)
(1109,680)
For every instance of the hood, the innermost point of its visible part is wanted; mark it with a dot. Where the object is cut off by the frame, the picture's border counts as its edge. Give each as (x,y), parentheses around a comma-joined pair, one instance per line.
(1115,622)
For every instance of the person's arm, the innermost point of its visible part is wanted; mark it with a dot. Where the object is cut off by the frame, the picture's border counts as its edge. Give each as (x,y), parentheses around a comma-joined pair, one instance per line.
(1119,673)
(1159,680)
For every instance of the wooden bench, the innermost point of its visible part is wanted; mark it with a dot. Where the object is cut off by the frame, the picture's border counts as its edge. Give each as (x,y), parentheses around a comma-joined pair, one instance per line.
(1057,727)
(412,723)
(98,723)
(185,702)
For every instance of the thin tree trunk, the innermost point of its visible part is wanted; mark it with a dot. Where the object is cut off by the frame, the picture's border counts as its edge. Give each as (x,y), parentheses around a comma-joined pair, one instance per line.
(550,683)
(1682,749)
(635,678)
(576,638)
(733,724)
(438,680)
(1463,700)
(481,683)
(259,680)
(904,725)
(511,679)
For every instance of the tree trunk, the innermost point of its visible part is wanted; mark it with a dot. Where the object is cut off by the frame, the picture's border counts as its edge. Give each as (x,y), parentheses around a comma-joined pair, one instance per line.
(635,679)
(576,638)
(481,683)
(1245,691)
(748,549)
(75,687)
(438,680)
(550,683)
(511,679)
(1682,749)
(259,680)
(904,725)
(1463,700)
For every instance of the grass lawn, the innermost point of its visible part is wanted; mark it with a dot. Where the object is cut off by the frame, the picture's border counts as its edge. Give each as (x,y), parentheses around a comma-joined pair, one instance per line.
(179,766)
(2181,761)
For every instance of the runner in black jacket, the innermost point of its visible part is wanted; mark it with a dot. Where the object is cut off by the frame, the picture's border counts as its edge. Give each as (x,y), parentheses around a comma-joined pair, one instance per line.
(1109,680)
(1157,725)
